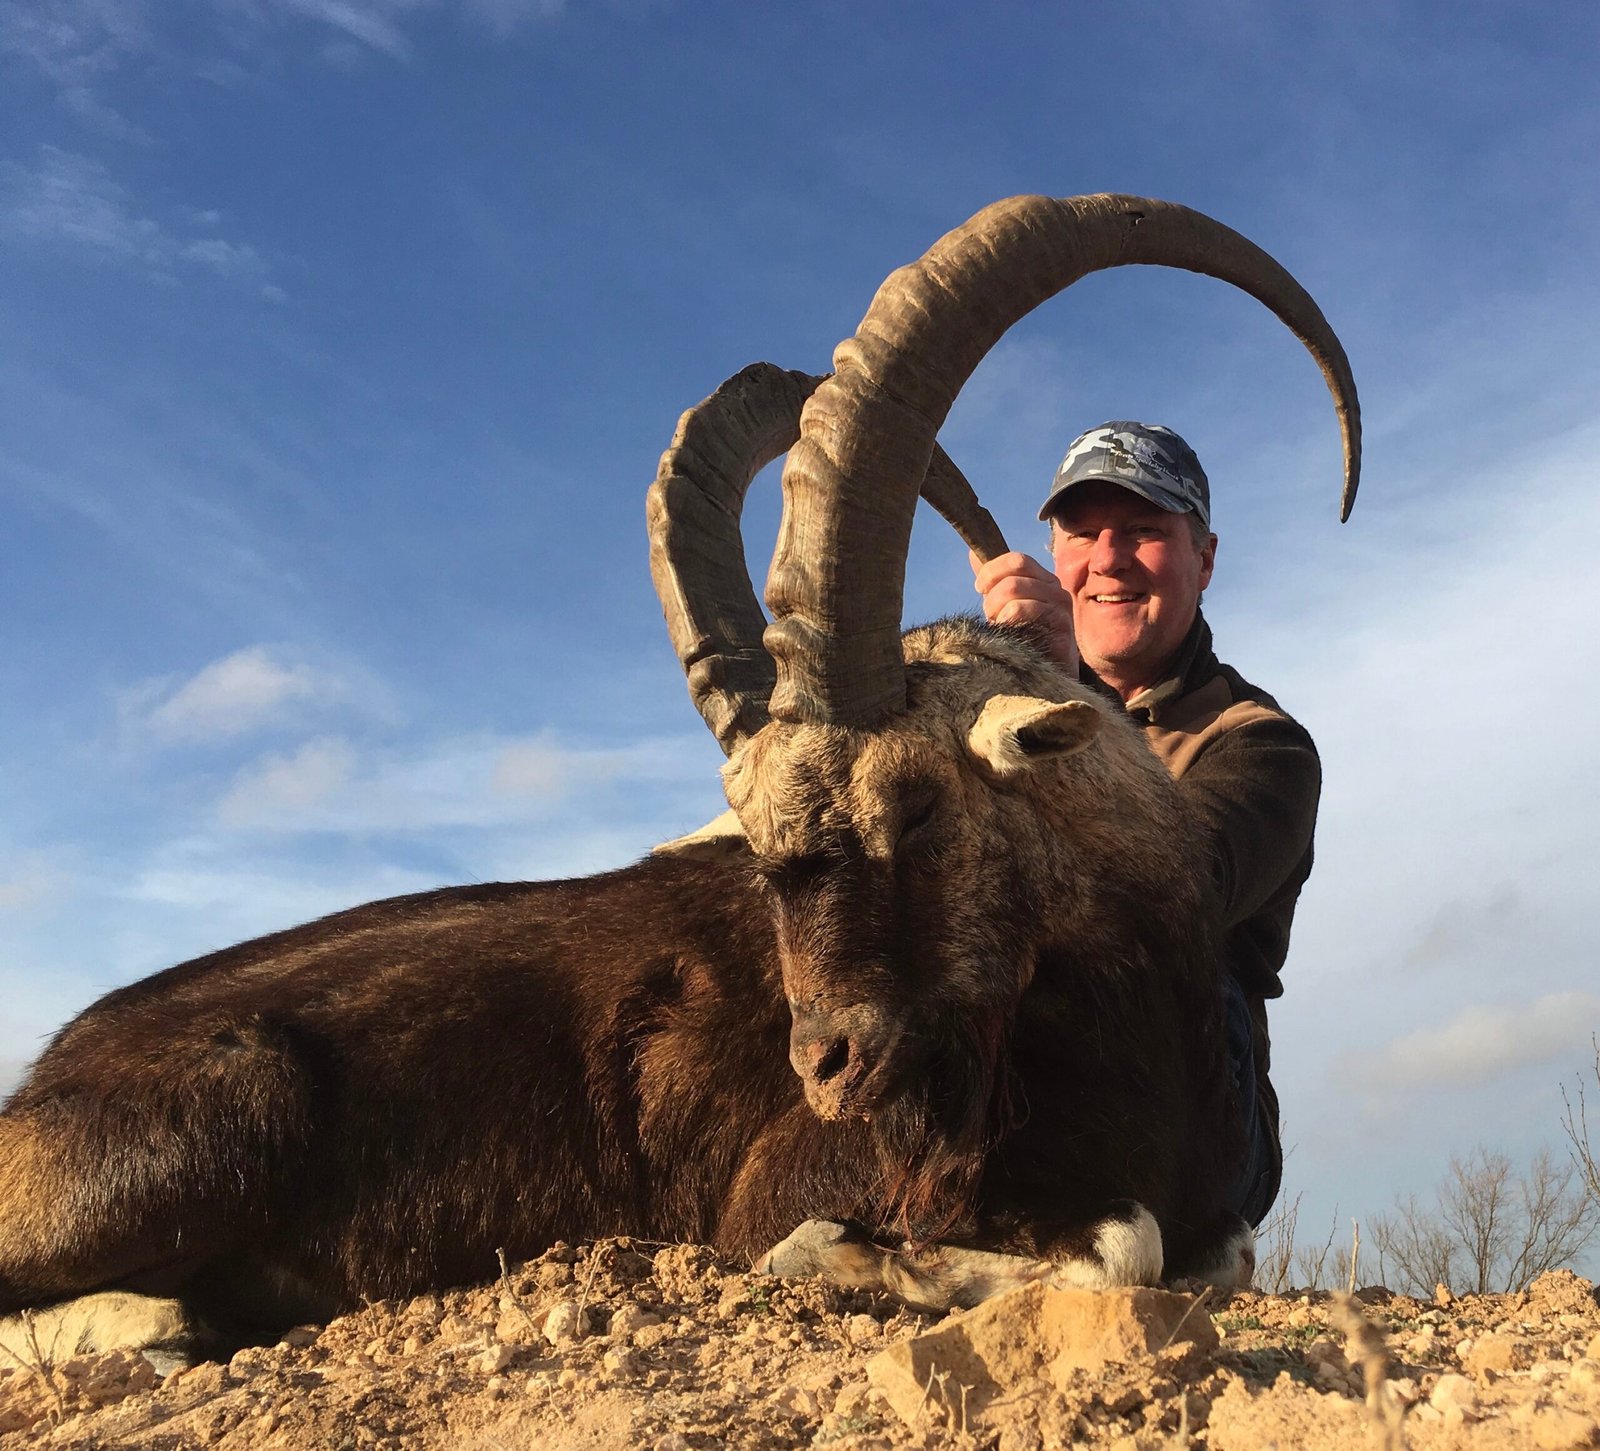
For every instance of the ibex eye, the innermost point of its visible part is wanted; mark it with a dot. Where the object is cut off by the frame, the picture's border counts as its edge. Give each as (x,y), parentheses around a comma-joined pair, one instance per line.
(916,812)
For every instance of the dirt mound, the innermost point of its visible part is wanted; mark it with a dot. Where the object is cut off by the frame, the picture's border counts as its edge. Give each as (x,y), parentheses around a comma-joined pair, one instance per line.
(625,1345)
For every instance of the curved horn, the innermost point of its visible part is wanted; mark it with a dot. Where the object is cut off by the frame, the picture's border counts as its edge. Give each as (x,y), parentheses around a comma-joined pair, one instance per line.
(697,549)
(867,434)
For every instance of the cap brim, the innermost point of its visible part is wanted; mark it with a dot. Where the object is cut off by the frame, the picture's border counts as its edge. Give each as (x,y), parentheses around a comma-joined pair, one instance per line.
(1161,498)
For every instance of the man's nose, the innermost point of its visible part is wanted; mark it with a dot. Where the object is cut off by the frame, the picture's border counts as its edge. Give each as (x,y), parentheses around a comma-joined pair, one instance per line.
(1110,552)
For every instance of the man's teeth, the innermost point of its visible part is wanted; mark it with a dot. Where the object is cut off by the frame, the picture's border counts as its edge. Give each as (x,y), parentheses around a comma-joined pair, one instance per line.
(1114,599)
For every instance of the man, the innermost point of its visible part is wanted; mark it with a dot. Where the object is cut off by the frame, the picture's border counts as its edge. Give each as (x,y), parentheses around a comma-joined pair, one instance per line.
(1130,534)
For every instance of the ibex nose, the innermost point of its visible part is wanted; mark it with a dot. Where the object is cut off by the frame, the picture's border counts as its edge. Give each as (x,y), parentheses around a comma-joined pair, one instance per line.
(833,1051)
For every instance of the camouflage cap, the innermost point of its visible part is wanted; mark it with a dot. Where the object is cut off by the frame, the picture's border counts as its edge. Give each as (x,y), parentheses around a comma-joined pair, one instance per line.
(1150,460)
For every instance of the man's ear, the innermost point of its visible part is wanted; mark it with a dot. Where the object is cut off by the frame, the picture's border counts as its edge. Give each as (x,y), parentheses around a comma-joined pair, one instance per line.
(1014,733)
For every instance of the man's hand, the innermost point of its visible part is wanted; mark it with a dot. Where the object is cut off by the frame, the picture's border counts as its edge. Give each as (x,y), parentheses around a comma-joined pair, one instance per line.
(1017,589)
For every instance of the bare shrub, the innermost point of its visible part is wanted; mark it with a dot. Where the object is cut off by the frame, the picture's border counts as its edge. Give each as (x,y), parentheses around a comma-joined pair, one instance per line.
(1575,1122)
(1415,1251)
(1275,1247)
(1319,1266)
(1492,1228)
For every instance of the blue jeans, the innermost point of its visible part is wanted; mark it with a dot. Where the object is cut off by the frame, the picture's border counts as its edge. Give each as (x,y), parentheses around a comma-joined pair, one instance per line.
(1256,1185)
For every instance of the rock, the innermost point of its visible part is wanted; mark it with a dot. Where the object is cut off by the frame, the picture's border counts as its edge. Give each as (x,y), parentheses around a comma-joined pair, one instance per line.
(1442,1296)
(1423,1343)
(566,1323)
(206,1379)
(99,1380)
(516,1326)
(859,1329)
(796,1401)
(495,1360)
(1028,1335)
(1555,1429)
(458,1330)
(1497,1353)
(1558,1291)
(425,1310)
(629,1318)
(851,1399)
(251,1359)
(1455,1397)
(1286,1415)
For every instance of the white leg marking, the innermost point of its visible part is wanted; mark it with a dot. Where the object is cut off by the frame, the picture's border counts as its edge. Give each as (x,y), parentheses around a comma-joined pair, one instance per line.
(112,1320)
(1127,1252)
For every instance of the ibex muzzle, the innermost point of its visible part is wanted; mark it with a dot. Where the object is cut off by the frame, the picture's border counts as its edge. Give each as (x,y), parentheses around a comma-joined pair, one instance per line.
(844,1056)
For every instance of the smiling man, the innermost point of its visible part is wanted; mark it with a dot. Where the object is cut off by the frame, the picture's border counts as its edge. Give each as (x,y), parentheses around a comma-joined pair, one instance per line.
(1130,535)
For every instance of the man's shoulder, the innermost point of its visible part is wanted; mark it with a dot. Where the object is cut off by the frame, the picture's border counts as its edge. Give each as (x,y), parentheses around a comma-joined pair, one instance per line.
(1251,701)
(1222,705)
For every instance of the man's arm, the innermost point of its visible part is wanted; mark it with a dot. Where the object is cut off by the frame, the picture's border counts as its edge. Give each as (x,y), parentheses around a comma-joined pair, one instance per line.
(1255,790)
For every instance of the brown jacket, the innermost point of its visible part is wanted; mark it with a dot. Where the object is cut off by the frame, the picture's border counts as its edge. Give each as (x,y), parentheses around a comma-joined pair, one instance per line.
(1252,773)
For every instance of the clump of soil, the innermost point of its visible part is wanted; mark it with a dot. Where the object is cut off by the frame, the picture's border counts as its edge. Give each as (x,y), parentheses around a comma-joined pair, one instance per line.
(620,1344)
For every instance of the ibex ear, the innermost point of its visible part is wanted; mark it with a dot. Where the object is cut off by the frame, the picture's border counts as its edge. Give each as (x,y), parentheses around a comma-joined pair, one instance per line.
(722,836)
(1014,733)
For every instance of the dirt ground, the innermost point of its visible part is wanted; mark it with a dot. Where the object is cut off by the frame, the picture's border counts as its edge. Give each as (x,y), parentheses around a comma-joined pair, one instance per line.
(665,1348)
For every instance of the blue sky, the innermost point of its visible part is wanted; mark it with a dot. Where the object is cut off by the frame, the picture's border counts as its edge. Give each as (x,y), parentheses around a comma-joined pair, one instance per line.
(339,339)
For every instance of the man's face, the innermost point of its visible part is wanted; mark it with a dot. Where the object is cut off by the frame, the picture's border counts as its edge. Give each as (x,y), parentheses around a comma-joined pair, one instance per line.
(1135,573)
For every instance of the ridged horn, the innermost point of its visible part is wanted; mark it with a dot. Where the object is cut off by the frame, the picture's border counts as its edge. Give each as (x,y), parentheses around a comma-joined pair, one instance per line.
(697,548)
(867,434)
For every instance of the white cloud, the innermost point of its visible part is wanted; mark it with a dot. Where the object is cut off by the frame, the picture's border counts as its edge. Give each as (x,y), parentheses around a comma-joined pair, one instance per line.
(288,785)
(1481,1043)
(236,899)
(540,768)
(246,691)
(475,783)
(70,200)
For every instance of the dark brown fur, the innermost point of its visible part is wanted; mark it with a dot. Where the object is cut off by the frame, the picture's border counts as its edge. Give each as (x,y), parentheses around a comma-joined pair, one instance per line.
(374,1103)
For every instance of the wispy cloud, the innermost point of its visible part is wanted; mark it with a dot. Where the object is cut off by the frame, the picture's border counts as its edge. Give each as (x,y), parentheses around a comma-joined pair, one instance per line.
(79,44)
(503,18)
(374,24)
(68,200)
(194,876)
(477,783)
(287,786)
(251,689)
(1481,1043)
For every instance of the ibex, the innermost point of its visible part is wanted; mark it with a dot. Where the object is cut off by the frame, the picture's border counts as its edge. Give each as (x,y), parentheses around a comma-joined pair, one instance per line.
(953,981)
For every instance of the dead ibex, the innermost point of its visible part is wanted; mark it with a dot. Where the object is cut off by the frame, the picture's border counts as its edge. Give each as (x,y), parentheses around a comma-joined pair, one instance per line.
(954,979)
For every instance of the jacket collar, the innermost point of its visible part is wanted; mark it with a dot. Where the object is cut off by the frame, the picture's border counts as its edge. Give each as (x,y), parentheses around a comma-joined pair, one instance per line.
(1192,666)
